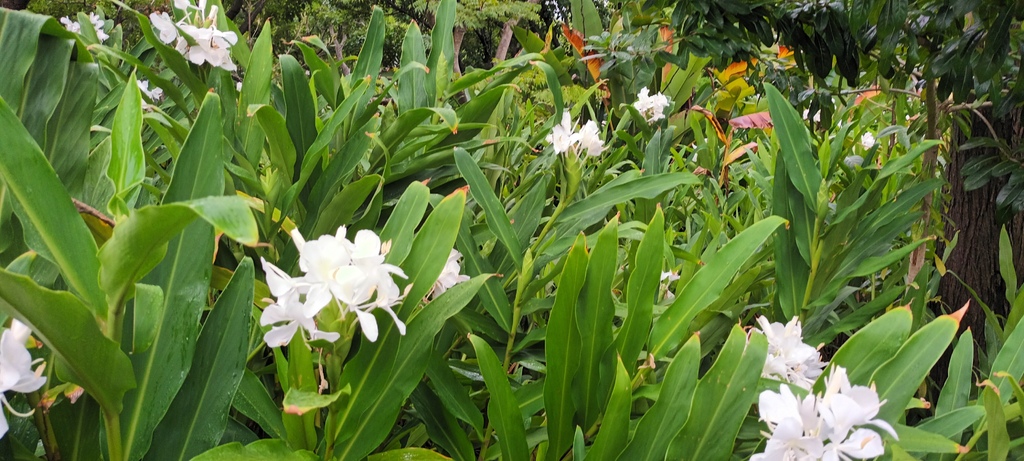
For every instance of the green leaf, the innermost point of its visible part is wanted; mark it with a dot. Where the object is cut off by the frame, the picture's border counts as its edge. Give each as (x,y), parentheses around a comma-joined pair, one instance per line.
(899,377)
(372,52)
(407,214)
(915,440)
(641,290)
(871,346)
(407,454)
(959,378)
(256,90)
(454,396)
(795,145)
(378,397)
(46,205)
(300,109)
(299,402)
(67,131)
(723,399)
(198,416)
(19,38)
(667,417)
(263,450)
(127,161)
(1010,360)
(412,92)
(444,430)
(343,163)
(493,296)
(184,275)
(561,351)
(502,410)
(585,18)
(431,247)
(995,422)
(441,43)
(952,424)
(595,313)
(139,242)
(614,433)
(343,206)
(581,214)
(707,285)
(63,323)
(480,190)
(282,149)
(149,304)
(253,401)
(76,427)
(1006,269)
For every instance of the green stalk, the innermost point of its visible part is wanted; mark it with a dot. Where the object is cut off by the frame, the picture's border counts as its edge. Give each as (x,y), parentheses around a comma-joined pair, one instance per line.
(570,184)
(42,421)
(517,306)
(112,421)
(816,249)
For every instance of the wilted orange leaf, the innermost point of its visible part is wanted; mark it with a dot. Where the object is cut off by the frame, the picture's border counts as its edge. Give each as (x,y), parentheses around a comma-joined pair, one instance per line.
(735,69)
(576,40)
(714,122)
(866,95)
(756,120)
(739,152)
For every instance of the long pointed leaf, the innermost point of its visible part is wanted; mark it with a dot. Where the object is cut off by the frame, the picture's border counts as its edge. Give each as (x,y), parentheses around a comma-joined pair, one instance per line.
(708,284)
(184,275)
(46,204)
(198,416)
(64,324)
(502,410)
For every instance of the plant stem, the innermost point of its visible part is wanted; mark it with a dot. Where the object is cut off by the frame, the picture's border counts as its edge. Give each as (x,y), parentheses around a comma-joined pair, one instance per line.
(42,420)
(487,442)
(113,424)
(816,248)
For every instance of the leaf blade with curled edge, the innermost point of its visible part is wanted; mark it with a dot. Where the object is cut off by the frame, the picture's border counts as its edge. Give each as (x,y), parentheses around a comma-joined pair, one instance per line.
(298,402)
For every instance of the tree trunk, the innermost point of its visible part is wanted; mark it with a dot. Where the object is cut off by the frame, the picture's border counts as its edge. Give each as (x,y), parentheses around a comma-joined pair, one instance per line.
(506,37)
(972,214)
(234,9)
(14,4)
(505,41)
(457,34)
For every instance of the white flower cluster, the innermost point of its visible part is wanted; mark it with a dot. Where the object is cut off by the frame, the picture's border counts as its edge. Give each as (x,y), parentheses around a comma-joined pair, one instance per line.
(565,138)
(16,372)
(196,35)
(97,24)
(667,277)
(867,140)
(828,427)
(156,94)
(449,275)
(652,107)
(789,359)
(352,273)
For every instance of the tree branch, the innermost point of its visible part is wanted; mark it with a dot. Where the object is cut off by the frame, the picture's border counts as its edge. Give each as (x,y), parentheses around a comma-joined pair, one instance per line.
(236,7)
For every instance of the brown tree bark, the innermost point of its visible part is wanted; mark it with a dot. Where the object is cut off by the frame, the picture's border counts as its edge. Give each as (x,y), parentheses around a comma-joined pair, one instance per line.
(14,4)
(506,37)
(234,9)
(457,34)
(972,214)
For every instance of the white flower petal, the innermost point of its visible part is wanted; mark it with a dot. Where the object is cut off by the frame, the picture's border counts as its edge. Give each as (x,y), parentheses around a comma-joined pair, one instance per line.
(368,323)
